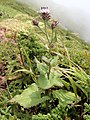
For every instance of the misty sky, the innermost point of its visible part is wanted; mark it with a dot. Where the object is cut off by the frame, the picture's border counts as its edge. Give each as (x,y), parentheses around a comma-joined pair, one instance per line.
(83,4)
(73,14)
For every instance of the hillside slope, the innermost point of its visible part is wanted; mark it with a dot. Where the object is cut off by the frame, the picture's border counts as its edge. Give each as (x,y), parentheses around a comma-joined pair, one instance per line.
(44,69)
(18,17)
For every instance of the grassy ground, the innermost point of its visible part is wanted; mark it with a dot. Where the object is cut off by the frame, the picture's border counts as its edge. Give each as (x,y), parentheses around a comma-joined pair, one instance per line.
(17,18)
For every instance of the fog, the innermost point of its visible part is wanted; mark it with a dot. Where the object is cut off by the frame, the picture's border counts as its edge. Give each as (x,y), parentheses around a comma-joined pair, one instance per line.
(72,14)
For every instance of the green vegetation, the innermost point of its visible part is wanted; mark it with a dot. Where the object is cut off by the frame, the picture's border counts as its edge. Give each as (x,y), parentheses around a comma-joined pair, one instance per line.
(44,69)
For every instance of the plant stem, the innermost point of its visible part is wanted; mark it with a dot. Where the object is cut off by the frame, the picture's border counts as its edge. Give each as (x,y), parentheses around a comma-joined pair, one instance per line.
(50,43)
(21,55)
(46,29)
(49,69)
(44,32)
(8,90)
(52,35)
(18,45)
(47,104)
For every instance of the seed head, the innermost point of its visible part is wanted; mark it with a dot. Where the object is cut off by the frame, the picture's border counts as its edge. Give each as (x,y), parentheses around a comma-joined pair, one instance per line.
(35,22)
(54,24)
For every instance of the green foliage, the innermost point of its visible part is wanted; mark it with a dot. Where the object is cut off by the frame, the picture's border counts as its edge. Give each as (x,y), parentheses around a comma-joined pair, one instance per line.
(6,11)
(47,80)
(31,46)
(81,79)
(86,111)
(44,79)
(8,54)
(30,97)
(86,117)
(41,117)
(23,8)
(58,113)
(65,97)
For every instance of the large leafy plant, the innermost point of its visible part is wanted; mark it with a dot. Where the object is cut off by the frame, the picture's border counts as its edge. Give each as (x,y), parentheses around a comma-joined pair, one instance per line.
(47,80)
(48,76)
(30,97)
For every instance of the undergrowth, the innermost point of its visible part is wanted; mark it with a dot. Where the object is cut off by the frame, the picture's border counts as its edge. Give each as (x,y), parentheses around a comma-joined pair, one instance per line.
(44,73)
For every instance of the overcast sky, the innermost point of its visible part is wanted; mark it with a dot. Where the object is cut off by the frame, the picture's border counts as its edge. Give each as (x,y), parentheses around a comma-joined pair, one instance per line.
(83,4)
(73,14)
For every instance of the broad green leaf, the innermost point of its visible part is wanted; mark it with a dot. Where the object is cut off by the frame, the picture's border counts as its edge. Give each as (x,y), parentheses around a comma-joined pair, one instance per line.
(30,97)
(65,97)
(54,61)
(45,83)
(55,78)
(42,67)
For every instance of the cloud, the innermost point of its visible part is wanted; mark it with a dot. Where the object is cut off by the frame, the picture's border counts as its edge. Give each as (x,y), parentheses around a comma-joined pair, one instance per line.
(73,14)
